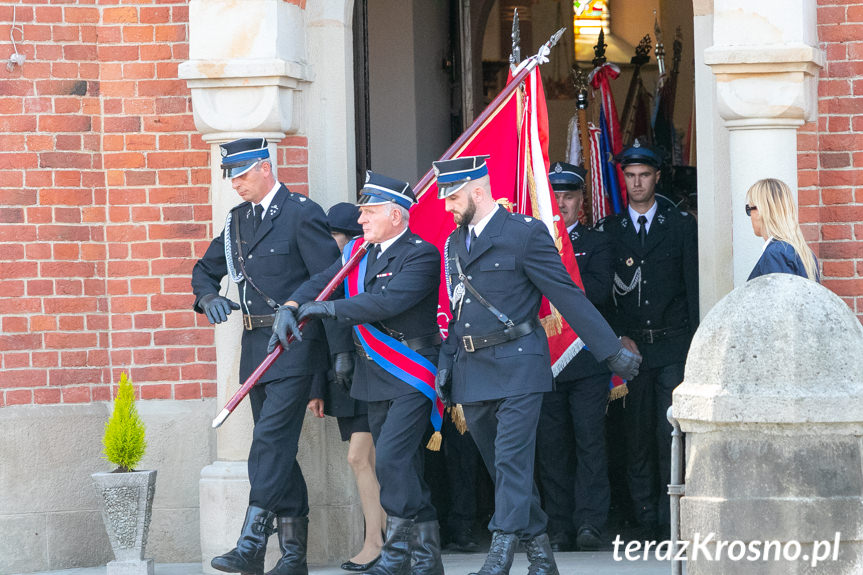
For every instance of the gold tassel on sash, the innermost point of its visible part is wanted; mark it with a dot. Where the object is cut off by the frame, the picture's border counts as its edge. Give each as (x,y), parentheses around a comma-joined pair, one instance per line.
(434,442)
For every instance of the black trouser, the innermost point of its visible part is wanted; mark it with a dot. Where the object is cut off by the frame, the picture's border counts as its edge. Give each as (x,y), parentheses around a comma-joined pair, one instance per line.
(278,408)
(462,461)
(645,421)
(505,433)
(573,415)
(397,427)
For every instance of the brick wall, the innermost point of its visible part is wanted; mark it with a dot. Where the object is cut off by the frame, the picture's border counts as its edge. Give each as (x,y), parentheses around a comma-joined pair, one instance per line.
(104,204)
(830,158)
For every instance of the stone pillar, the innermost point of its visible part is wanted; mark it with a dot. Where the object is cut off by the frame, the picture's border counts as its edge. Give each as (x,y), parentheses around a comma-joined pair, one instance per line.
(247,72)
(765,60)
(772,407)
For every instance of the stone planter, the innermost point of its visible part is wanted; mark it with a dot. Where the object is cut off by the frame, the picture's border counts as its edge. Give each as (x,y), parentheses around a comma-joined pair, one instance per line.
(126,500)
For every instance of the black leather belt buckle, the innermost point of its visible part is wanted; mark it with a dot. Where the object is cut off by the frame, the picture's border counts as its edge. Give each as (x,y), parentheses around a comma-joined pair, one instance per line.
(467,342)
(648,336)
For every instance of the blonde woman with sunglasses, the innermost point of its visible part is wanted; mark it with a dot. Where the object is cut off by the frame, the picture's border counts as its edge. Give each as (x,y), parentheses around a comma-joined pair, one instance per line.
(773,211)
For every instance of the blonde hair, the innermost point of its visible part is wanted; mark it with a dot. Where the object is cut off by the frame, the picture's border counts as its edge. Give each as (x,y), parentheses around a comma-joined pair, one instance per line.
(778,211)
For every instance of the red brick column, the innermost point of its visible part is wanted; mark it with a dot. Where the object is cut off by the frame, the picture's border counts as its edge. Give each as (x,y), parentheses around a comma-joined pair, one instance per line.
(104,205)
(831,154)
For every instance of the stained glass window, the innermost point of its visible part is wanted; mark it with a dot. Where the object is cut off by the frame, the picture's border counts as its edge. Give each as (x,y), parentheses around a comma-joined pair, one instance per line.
(589,17)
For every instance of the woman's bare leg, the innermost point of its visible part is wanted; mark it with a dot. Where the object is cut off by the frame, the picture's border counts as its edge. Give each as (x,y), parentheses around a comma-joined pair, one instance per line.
(361,457)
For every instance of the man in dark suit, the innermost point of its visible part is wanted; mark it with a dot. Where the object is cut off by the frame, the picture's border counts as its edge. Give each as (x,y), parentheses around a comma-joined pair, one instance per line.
(498,267)
(656,312)
(272,242)
(574,412)
(393,306)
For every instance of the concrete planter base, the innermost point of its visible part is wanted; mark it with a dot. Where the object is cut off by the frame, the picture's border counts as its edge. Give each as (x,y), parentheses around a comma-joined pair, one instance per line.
(126,501)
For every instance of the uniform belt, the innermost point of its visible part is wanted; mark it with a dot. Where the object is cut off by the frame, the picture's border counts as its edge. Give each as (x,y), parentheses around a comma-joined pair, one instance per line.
(654,335)
(415,343)
(472,343)
(251,322)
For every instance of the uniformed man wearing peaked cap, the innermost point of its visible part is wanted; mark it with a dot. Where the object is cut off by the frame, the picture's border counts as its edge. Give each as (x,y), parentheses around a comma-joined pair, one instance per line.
(496,360)
(271,243)
(655,301)
(391,299)
(577,502)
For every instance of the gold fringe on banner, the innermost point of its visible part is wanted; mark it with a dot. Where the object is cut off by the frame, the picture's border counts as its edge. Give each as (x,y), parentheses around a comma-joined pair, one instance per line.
(434,442)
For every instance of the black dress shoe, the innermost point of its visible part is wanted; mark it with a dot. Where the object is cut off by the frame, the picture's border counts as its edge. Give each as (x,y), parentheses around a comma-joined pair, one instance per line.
(351,566)
(462,540)
(559,541)
(588,538)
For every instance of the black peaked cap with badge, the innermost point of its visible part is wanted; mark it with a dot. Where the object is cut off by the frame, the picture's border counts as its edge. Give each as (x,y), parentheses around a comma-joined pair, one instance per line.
(453,175)
(639,153)
(239,156)
(380,189)
(565,177)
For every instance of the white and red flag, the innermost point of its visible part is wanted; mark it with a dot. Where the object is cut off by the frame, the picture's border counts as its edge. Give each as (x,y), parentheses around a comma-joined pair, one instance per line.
(513,131)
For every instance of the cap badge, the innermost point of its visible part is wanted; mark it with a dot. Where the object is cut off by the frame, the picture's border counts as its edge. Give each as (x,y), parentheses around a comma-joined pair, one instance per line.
(636,143)
(557,169)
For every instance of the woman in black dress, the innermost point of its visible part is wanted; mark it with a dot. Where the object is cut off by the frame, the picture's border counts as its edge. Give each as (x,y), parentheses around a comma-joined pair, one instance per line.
(331,398)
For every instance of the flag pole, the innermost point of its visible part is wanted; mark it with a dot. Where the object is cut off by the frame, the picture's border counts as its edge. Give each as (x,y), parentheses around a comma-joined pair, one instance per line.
(519,75)
(274,355)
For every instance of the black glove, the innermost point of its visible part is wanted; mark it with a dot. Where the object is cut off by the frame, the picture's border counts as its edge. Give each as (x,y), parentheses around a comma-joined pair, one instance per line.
(317,310)
(217,308)
(443,386)
(343,369)
(624,363)
(285,321)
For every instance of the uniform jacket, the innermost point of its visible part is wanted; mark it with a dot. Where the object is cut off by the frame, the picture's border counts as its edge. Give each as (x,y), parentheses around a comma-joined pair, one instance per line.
(292,243)
(512,263)
(593,254)
(778,257)
(666,294)
(401,295)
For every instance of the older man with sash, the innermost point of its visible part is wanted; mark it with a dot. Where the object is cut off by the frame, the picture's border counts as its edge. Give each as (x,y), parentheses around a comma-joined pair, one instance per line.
(390,299)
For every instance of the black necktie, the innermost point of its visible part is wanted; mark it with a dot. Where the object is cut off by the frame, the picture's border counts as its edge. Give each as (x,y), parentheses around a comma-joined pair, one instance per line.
(642,230)
(256,221)
(376,253)
(471,239)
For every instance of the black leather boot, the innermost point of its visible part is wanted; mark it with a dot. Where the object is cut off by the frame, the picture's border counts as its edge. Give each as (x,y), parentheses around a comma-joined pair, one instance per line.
(541,556)
(500,554)
(425,549)
(293,534)
(396,552)
(248,556)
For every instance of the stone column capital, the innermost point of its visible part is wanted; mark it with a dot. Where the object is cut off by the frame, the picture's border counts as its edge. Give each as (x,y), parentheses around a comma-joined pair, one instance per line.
(766,85)
(235,98)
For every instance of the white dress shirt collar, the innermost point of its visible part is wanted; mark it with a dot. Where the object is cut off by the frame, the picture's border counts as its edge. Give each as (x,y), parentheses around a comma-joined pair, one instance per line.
(480,225)
(633,215)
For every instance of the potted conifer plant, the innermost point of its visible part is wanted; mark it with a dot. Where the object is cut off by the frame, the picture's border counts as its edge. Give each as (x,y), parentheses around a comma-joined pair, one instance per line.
(126,495)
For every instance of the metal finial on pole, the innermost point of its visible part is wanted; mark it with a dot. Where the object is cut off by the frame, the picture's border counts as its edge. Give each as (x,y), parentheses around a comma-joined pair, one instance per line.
(515,56)
(599,50)
(660,47)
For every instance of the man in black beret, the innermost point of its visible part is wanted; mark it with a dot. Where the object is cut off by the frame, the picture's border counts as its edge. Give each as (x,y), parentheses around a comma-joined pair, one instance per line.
(271,243)
(655,311)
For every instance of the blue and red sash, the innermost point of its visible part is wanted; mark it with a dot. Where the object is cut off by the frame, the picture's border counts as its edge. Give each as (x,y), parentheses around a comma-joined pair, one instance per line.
(390,354)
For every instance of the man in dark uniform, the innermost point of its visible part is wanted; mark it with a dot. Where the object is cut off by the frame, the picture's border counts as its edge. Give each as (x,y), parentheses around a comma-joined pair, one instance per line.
(271,243)
(395,307)
(498,267)
(575,410)
(656,312)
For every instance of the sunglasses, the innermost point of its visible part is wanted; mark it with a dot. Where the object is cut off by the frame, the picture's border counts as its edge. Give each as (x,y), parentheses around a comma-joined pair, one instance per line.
(750,209)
